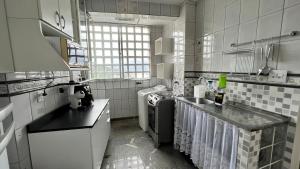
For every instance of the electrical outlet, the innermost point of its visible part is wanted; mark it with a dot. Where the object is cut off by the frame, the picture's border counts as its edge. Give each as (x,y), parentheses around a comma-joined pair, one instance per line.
(278,76)
(40,97)
(61,90)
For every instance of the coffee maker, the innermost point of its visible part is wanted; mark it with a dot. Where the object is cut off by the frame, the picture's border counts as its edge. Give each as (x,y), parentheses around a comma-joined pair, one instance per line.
(81,96)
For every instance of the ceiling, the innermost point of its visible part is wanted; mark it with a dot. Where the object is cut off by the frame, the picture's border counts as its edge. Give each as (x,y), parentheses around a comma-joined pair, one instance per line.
(173,2)
(131,18)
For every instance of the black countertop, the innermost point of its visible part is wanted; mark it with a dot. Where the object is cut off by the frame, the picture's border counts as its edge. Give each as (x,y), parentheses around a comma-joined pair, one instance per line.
(66,118)
(242,116)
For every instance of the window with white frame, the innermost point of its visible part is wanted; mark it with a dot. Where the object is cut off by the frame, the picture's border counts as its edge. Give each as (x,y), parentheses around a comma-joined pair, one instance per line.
(119,51)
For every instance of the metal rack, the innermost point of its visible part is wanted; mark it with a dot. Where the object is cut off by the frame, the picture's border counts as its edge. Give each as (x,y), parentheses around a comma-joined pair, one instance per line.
(291,34)
(238,51)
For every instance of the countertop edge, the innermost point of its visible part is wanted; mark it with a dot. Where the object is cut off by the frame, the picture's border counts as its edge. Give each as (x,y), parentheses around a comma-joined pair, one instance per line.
(67,128)
(248,128)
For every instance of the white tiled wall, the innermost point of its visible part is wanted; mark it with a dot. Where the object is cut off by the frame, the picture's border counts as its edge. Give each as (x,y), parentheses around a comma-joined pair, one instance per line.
(156,32)
(243,21)
(26,109)
(183,31)
(122,94)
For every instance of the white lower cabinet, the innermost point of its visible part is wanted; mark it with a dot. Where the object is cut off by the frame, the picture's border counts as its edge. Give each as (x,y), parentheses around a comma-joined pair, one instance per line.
(99,139)
(71,149)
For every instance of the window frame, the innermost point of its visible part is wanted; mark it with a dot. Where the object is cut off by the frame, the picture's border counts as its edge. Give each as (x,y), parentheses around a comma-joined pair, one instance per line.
(142,69)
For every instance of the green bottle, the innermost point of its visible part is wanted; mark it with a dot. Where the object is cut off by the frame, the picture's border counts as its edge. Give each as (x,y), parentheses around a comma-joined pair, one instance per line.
(222,81)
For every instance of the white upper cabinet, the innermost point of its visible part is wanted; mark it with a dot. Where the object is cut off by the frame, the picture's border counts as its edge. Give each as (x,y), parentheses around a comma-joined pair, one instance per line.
(57,13)
(49,12)
(28,23)
(6,63)
(66,17)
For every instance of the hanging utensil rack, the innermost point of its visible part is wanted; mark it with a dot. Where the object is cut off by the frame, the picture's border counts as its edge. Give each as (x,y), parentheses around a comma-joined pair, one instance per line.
(238,51)
(291,34)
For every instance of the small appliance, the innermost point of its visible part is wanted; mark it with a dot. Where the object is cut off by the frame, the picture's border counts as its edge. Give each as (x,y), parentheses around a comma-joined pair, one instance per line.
(161,117)
(143,104)
(81,96)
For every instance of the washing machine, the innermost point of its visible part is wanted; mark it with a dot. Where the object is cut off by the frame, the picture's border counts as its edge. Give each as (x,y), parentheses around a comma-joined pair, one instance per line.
(143,104)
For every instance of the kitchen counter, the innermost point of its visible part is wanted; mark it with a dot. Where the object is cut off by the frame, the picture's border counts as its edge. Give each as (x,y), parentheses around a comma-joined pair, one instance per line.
(246,117)
(66,118)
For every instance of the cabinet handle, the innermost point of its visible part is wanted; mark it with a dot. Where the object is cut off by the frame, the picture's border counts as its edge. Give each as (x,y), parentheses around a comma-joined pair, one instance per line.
(108,120)
(107,112)
(64,22)
(57,18)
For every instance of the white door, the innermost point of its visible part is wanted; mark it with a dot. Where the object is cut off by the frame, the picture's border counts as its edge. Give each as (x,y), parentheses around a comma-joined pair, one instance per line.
(6,63)
(66,17)
(49,11)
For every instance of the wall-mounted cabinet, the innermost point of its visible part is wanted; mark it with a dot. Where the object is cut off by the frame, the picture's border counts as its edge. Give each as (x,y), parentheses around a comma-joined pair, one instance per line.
(6,63)
(28,23)
(165,70)
(164,46)
(58,14)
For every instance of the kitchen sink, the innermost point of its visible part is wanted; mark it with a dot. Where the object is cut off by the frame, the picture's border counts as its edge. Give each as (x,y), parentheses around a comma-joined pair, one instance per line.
(199,100)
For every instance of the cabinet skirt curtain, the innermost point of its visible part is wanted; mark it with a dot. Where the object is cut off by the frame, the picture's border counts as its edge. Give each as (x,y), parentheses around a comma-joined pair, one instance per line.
(210,142)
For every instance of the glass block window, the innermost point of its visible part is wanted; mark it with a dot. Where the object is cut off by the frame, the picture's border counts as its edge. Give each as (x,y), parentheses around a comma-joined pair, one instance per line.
(119,51)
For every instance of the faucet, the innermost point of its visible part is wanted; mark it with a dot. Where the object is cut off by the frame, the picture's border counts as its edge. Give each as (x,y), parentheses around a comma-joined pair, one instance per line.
(203,78)
(211,92)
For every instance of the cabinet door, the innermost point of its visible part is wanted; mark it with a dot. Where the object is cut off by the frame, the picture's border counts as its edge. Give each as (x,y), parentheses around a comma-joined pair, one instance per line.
(99,140)
(49,11)
(6,63)
(107,124)
(66,17)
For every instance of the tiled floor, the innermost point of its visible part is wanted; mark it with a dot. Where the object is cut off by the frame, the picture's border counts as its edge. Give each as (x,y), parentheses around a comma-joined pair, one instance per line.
(130,148)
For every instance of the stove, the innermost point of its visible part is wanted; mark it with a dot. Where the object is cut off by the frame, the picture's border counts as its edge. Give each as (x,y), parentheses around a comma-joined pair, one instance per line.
(161,117)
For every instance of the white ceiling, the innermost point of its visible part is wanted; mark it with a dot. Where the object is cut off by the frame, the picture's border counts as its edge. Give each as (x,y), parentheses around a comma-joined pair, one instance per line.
(131,18)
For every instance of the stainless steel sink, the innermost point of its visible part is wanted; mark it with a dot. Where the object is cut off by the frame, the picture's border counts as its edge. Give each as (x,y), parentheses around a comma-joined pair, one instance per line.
(199,100)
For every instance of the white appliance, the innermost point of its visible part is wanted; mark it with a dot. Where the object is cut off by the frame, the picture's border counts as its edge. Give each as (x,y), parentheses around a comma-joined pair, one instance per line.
(143,104)
(7,127)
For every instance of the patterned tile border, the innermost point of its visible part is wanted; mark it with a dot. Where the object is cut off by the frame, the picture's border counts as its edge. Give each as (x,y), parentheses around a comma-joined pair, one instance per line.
(248,149)
(20,82)
(292,81)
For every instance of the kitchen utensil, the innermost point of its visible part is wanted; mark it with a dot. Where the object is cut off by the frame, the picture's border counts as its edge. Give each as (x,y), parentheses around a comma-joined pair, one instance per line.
(266,69)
